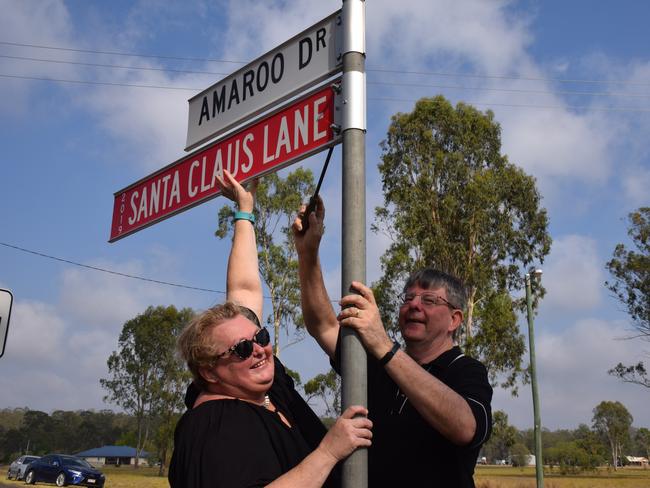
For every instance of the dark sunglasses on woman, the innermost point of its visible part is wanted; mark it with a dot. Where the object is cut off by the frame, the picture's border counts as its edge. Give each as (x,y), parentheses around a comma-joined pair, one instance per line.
(244,348)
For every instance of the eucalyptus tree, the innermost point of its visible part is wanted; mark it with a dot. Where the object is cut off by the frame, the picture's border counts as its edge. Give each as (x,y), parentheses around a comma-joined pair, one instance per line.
(630,270)
(452,200)
(613,421)
(145,377)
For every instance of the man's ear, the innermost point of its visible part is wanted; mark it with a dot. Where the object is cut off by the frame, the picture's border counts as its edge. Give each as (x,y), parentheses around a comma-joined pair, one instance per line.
(456,319)
(209,375)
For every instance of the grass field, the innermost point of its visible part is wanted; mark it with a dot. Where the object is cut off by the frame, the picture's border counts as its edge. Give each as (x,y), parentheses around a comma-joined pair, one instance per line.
(486,477)
(509,477)
(122,477)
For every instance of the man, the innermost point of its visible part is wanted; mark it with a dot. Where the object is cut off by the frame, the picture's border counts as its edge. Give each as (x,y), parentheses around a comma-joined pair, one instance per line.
(429,403)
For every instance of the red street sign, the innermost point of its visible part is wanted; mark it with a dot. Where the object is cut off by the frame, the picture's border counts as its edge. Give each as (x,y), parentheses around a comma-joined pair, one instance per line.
(282,138)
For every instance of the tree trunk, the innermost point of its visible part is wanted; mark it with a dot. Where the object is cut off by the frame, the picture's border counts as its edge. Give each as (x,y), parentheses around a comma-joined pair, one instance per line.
(138,447)
(163,462)
(276,337)
(469,321)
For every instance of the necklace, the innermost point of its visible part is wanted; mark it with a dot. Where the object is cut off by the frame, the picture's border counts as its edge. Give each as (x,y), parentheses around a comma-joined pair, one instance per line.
(267,402)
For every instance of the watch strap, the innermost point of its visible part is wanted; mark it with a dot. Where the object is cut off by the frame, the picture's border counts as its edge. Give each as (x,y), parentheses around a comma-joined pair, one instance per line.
(389,355)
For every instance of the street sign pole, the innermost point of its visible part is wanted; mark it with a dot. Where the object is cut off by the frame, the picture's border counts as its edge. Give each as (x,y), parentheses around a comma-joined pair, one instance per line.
(353,355)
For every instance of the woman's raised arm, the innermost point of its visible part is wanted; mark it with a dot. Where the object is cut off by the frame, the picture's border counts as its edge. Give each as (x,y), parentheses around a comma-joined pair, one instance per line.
(243,283)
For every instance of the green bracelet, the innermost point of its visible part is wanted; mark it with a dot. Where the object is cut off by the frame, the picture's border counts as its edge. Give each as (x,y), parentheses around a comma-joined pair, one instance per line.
(245,216)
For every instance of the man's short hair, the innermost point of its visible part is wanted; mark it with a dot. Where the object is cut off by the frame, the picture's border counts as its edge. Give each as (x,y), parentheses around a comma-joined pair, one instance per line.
(431,278)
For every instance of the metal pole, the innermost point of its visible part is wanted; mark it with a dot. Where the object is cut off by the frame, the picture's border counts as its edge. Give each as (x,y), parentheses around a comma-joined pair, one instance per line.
(353,86)
(539,463)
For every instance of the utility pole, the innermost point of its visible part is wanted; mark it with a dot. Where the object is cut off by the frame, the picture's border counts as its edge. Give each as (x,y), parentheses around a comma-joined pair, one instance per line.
(353,265)
(539,463)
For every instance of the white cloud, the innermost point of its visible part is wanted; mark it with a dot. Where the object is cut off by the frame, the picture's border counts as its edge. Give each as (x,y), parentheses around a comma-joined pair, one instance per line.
(556,143)
(573,275)
(36,331)
(149,123)
(409,32)
(268,24)
(636,182)
(63,347)
(38,23)
(572,374)
(104,301)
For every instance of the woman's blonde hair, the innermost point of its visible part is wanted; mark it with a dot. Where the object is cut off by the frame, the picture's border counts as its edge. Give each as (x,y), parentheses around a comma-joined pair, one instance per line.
(194,343)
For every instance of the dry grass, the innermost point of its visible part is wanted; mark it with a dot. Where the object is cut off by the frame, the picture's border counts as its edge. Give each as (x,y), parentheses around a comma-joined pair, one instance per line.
(509,477)
(123,477)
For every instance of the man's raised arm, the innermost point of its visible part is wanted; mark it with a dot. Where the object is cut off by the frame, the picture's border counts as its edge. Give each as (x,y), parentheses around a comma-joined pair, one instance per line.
(317,310)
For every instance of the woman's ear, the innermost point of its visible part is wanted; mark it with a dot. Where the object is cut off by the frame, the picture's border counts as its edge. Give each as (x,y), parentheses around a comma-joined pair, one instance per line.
(209,375)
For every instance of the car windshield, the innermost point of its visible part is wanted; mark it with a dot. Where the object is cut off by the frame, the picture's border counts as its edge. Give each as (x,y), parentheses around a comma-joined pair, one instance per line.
(76,462)
(29,459)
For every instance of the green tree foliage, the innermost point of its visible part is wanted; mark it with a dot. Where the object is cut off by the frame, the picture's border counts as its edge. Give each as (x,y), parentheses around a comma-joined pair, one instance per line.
(613,421)
(452,200)
(642,439)
(61,431)
(519,455)
(636,373)
(276,203)
(12,418)
(146,379)
(630,270)
(326,387)
(571,458)
(590,441)
(503,437)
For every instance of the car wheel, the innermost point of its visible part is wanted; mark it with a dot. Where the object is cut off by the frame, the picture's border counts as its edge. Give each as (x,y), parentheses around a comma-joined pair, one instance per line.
(30,478)
(60,480)
(9,474)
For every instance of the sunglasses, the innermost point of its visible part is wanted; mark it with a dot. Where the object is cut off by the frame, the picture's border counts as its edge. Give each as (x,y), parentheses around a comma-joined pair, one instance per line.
(244,348)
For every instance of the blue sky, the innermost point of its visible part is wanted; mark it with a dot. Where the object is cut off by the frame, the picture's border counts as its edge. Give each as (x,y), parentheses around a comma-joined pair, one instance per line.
(67,147)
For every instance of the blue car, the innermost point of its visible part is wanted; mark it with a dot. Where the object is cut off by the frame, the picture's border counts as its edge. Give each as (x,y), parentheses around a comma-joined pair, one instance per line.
(63,470)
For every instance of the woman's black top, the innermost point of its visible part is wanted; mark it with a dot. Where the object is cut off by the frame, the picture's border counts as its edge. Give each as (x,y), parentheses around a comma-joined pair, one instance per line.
(237,444)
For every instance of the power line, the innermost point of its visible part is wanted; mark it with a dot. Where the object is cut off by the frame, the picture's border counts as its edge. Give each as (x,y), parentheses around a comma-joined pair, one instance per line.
(513,105)
(97,65)
(504,77)
(118,53)
(510,90)
(104,83)
(411,85)
(118,273)
(103,270)
(385,99)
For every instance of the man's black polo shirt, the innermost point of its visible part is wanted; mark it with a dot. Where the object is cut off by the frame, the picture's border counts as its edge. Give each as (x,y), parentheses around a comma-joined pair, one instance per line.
(406,451)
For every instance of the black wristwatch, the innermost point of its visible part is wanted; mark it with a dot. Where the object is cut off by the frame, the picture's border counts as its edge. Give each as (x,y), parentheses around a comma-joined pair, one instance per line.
(389,355)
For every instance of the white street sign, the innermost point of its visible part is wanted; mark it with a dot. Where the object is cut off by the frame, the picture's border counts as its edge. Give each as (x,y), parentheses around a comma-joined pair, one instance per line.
(6,299)
(301,62)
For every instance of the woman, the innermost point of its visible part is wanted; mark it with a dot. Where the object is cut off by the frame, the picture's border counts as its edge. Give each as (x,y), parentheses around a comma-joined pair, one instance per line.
(249,427)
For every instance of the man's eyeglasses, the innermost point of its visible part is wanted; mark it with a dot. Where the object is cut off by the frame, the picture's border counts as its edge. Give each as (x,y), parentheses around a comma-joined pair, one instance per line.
(244,348)
(428,299)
